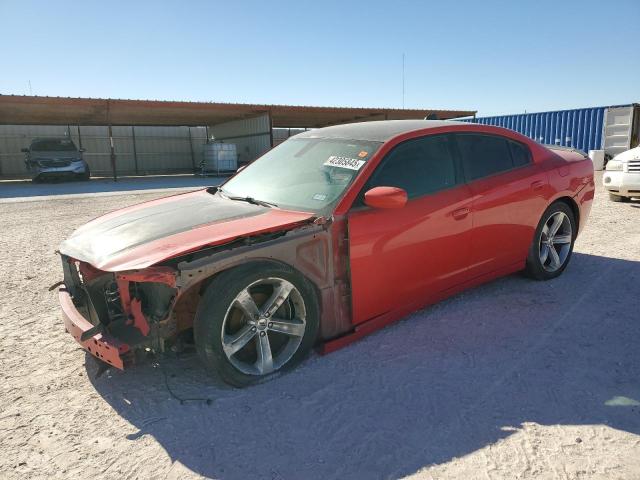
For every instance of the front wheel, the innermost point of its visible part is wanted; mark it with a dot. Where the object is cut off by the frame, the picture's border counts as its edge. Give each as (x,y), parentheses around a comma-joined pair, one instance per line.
(552,244)
(255,320)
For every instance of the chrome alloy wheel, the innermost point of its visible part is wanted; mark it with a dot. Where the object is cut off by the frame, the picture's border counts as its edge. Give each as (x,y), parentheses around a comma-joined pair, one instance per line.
(555,242)
(264,326)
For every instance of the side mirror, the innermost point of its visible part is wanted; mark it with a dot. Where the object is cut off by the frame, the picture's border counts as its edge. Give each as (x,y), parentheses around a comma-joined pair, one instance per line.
(81,150)
(24,150)
(385,197)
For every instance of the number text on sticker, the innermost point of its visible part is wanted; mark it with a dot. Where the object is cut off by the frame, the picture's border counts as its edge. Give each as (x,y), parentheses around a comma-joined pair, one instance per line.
(344,162)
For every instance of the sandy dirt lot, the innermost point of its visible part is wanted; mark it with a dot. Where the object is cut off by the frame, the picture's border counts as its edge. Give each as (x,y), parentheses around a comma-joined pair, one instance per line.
(515,379)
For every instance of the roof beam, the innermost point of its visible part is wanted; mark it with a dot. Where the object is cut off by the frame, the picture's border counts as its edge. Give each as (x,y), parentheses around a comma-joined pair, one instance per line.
(34,110)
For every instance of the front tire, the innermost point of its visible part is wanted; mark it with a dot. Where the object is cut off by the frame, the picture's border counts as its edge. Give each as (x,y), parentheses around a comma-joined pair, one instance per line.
(552,244)
(254,321)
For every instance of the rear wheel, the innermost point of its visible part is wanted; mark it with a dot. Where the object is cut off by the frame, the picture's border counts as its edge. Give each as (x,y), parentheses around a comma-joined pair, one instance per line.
(552,244)
(254,321)
(618,198)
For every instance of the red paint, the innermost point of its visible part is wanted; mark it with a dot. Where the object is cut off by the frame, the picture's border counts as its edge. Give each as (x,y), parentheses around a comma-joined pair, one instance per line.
(164,275)
(132,307)
(87,271)
(101,346)
(506,209)
(403,260)
(139,321)
(385,197)
(207,235)
(395,315)
(403,254)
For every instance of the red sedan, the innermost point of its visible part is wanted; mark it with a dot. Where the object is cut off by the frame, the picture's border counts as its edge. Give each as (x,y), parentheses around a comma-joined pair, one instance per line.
(327,237)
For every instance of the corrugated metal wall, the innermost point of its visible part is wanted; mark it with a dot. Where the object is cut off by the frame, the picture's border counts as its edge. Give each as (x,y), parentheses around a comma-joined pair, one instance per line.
(252,136)
(580,128)
(139,150)
(621,129)
(281,134)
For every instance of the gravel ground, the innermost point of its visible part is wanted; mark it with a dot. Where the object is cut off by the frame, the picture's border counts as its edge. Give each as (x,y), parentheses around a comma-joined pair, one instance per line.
(515,379)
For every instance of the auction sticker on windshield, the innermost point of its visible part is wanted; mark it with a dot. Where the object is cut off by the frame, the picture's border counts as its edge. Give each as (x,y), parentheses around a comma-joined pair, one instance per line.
(344,162)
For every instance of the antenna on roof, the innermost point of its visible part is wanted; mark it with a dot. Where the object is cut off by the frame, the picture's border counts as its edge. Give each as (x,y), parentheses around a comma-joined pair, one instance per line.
(403,80)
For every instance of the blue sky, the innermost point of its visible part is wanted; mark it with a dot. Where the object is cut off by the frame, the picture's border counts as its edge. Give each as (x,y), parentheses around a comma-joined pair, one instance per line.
(492,56)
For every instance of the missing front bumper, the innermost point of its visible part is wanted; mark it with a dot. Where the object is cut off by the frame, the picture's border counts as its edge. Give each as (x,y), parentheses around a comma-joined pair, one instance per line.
(101,345)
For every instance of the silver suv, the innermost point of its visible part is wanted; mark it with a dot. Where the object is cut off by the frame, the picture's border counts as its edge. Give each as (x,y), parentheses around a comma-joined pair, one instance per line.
(55,158)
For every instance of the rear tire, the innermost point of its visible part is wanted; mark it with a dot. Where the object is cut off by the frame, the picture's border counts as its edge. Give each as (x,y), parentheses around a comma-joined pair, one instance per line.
(618,198)
(255,321)
(552,243)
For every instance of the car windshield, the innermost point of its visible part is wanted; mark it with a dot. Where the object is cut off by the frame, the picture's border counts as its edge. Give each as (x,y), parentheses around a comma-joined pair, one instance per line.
(308,174)
(53,145)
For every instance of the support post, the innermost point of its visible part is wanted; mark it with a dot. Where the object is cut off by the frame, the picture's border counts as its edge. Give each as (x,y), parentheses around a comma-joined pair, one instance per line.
(193,158)
(79,137)
(113,155)
(135,150)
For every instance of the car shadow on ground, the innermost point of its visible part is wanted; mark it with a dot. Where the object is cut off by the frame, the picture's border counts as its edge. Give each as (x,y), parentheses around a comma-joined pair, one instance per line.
(443,383)
(22,189)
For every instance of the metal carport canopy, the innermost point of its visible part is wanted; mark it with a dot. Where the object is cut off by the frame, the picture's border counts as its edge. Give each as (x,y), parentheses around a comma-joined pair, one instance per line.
(36,110)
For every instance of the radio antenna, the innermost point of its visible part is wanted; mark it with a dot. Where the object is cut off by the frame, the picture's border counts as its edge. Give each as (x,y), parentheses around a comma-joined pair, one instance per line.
(403,80)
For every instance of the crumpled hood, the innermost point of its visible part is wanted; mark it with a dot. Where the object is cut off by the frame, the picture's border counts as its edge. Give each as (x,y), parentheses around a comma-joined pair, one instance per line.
(148,233)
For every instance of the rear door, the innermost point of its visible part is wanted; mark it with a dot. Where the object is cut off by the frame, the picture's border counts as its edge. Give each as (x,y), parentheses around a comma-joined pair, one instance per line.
(508,199)
(399,257)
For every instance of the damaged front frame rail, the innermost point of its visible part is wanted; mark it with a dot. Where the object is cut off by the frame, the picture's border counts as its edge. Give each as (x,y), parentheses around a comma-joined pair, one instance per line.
(160,301)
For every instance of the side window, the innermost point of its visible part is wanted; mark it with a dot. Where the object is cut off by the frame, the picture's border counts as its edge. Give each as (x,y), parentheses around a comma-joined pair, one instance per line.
(421,166)
(520,154)
(483,155)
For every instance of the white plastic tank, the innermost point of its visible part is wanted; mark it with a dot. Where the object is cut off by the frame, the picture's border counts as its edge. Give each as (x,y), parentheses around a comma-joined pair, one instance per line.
(597,157)
(220,158)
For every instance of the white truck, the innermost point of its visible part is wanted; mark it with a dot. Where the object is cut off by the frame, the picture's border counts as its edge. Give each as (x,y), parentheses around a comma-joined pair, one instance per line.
(621,177)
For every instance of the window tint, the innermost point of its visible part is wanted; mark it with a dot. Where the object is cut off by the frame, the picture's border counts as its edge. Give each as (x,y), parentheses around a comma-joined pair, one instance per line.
(520,154)
(483,155)
(53,145)
(419,166)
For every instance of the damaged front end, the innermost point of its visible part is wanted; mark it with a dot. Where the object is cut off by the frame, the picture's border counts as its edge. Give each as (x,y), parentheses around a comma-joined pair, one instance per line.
(112,314)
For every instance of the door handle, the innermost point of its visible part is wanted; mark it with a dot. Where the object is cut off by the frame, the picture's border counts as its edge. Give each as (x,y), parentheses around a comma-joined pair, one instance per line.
(537,185)
(460,213)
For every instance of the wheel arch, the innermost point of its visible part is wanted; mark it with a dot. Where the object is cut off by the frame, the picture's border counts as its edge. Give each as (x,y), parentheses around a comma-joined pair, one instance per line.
(187,303)
(575,209)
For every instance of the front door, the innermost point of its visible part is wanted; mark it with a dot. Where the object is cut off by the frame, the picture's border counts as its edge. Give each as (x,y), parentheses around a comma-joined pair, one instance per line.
(401,256)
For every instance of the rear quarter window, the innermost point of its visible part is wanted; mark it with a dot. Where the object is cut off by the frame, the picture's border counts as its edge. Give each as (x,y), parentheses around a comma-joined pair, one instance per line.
(520,154)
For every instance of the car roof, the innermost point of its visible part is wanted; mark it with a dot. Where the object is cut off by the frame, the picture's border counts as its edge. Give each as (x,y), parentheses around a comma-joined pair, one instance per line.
(379,131)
